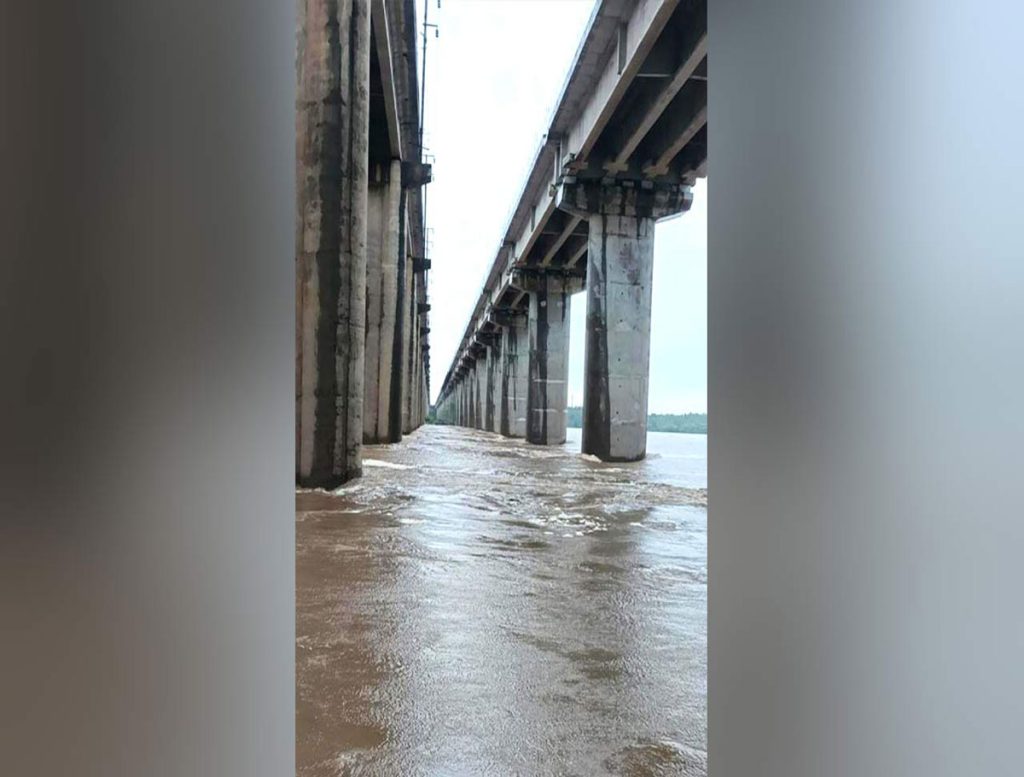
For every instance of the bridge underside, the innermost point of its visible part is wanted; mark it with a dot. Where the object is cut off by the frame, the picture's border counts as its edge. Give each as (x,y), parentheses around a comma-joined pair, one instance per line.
(626,143)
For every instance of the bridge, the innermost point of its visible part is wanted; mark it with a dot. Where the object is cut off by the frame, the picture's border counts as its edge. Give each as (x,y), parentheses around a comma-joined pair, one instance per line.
(626,143)
(362,328)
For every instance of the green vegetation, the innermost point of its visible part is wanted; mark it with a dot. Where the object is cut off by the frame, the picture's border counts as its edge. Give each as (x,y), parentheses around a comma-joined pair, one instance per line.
(686,423)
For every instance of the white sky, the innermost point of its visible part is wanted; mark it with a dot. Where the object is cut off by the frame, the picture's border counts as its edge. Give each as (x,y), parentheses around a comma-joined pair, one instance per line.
(493,76)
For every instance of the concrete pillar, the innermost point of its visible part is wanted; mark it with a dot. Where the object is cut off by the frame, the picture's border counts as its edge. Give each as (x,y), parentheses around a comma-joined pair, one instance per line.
(492,397)
(515,374)
(408,417)
(620,254)
(408,338)
(481,391)
(548,392)
(417,365)
(418,416)
(424,398)
(414,392)
(414,367)
(618,341)
(382,305)
(332,150)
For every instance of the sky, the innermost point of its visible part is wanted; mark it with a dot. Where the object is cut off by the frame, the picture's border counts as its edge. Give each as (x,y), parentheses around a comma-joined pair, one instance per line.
(494,74)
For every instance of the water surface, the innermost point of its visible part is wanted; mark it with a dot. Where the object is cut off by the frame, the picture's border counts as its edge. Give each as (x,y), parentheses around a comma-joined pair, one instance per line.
(478,605)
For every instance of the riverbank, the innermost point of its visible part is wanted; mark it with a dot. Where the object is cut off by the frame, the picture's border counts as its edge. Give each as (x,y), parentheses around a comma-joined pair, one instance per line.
(674,423)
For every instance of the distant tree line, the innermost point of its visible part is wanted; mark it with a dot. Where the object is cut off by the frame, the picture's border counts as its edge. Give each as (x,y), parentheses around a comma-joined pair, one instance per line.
(685,423)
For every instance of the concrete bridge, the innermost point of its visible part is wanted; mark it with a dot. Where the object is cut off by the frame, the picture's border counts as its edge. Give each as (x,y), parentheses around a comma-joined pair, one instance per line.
(362,344)
(626,143)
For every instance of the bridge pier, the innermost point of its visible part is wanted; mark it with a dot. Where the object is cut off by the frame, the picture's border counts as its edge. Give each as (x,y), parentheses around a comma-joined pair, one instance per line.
(465,419)
(382,307)
(493,396)
(481,390)
(515,374)
(410,337)
(548,389)
(333,177)
(474,394)
(620,261)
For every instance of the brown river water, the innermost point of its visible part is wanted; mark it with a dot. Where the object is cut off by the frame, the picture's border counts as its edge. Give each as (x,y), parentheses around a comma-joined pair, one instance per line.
(475,605)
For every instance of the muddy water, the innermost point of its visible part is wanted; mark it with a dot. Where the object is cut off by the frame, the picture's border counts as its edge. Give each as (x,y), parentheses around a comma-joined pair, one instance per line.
(477,605)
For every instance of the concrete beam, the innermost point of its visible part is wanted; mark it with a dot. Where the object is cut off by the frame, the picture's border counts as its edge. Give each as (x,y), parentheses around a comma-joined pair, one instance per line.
(533,280)
(570,227)
(688,116)
(649,114)
(645,25)
(386,58)
(492,396)
(416,174)
(644,199)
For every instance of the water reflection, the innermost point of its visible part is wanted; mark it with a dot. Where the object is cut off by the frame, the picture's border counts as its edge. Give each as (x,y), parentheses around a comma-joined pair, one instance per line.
(478,605)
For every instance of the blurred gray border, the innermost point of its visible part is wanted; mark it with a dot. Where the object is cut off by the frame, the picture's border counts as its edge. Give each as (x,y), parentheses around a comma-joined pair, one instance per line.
(147,329)
(866,355)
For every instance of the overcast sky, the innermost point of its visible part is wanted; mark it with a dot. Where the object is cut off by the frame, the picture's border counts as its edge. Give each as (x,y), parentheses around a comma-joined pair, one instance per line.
(493,76)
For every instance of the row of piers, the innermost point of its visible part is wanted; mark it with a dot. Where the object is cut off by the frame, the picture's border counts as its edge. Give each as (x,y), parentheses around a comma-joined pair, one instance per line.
(513,379)
(362,350)
(625,144)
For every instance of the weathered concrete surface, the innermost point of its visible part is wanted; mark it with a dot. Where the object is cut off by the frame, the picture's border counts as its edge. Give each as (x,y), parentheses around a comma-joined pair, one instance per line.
(515,376)
(618,340)
(382,303)
(548,392)
(359,220)
(481,391)
(414,345)
(620,261)
(493,361)
(471,397)
(332,169)
(401,334)
(410,339)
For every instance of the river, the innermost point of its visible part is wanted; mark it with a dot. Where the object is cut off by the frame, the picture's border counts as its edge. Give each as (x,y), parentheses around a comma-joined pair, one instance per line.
(477,605)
